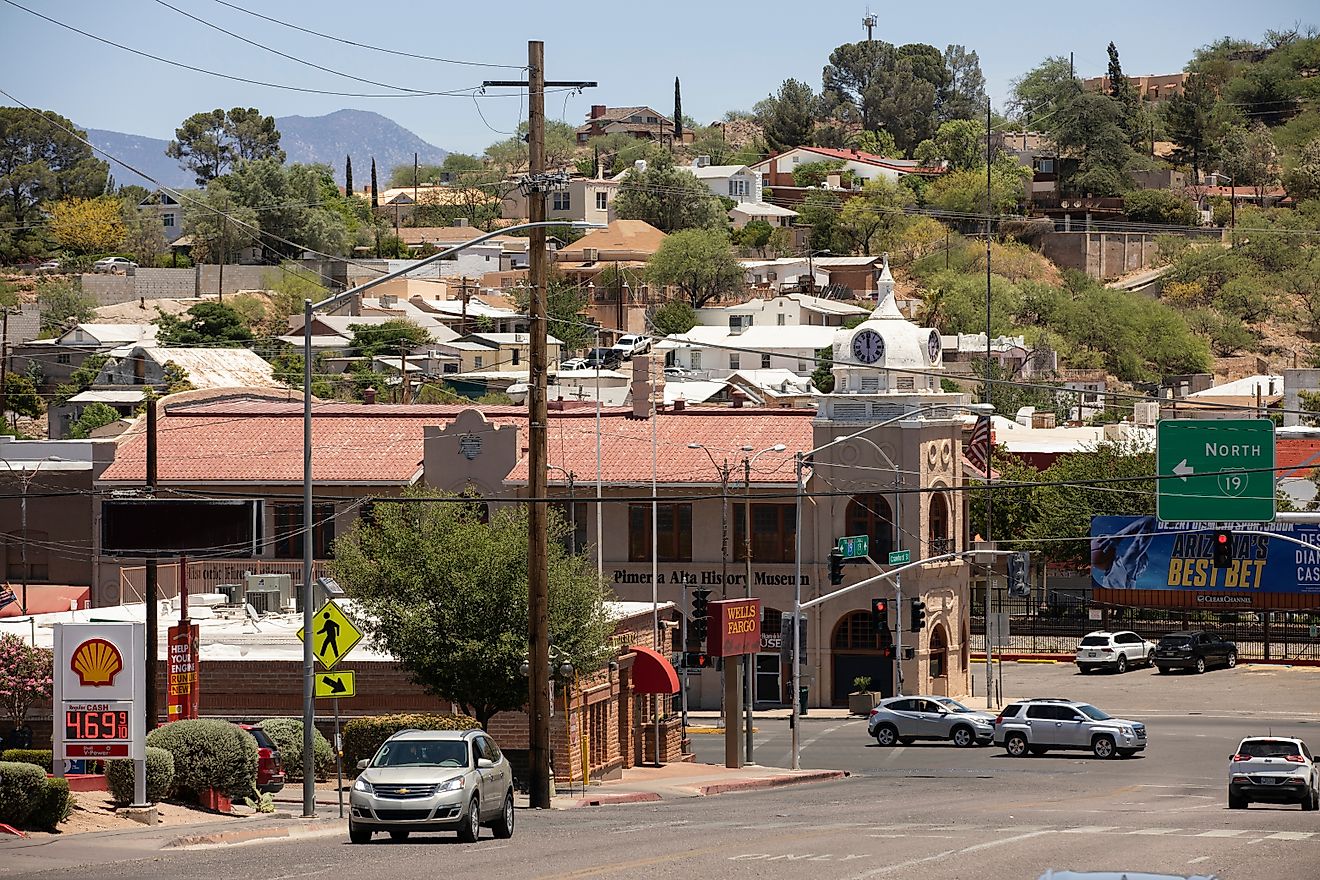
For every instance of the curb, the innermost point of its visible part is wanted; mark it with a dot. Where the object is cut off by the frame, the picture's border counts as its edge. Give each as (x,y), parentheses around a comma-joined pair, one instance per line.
(711,730)
(310,828)
(771,782)
(634,797)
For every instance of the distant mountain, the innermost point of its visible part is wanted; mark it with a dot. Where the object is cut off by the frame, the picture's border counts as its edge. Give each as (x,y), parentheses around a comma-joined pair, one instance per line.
(328,139)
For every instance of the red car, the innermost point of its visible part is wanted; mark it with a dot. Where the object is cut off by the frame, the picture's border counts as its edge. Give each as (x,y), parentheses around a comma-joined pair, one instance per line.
(270,768)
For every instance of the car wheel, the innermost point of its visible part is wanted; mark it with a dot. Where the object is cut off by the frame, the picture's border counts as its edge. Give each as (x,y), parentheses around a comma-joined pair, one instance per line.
(1309,801)
(963,737)
(1150,660)
(470,830)
(1103,746)
(1016,745)
(1200,665)
(503,826)
(1232,659)
(399,836)
(1162,670)
(1083,669)
(907,740)
(1237,802)
(886,735)
(358,835)
(1121,666)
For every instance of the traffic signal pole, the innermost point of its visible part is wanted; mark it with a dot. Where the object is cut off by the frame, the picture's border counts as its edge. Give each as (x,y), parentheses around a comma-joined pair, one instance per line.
(898,636)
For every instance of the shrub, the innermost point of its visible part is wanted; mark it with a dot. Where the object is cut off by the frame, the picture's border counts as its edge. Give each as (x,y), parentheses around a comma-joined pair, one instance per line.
(41,757)
(22,789)
(53,806)
(160,777)
(209,753)
(287,734)
(363,736)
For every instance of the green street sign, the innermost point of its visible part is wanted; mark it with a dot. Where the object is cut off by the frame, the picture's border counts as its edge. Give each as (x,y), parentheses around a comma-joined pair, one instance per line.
(1215,471)
(900,557)
(854,547)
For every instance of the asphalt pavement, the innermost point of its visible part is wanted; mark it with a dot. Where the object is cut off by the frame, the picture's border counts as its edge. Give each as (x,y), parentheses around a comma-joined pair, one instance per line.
(932,812)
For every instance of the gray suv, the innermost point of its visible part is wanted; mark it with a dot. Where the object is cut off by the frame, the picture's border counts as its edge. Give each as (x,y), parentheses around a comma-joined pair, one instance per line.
(433,780)
(1039,725)
(904,719)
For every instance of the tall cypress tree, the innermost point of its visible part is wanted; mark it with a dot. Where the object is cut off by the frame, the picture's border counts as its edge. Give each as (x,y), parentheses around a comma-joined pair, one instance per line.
(348,175)
(678,114)
(375,203)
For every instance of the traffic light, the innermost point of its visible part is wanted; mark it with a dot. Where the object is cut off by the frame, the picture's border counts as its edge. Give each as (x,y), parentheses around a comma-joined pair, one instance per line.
(700,613)
(696,660)
(879,615)
(836,567)
(1019,569)
(1223,548)
(917,615)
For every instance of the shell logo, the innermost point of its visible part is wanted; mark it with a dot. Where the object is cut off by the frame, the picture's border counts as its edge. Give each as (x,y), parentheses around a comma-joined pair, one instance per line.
(96,662)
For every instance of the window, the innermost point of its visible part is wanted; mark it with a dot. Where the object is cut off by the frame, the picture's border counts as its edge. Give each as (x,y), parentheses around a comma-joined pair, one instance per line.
(871,515)
(765,361)
(738,187)
(652,119)
(38,556)
(733,361)
(517,356)
(773,534)
(63,358)
(449,368)
(939,652)
(289,531)
(802,366)
(780,319)
(167,219)
(602,201)
(673,532)
(855,632)
(561,201)
(695,360)
(478,362)
(939,534)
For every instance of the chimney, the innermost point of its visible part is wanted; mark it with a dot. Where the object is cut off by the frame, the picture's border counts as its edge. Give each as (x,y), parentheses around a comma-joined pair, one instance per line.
(461,222)
(597,111)
(737,397)
(369,396)
(679,404)
(644,391)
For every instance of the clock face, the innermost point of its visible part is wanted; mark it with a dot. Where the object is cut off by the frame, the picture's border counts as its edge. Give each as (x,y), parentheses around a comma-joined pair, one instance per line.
(868,346)
(933,346)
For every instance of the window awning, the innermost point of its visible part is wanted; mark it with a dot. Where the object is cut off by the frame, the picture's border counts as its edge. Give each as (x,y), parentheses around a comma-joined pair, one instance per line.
(652,673)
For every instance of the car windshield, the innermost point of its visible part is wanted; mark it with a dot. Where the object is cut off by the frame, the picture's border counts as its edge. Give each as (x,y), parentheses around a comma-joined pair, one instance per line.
(422,753)
(953,705)
(1092,712)
(1268,748)
(1094,641)
(1176,641)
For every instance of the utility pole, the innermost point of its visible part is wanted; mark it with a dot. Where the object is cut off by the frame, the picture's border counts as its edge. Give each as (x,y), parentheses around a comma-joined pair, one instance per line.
(540,781)
(985,398)
(224,255)
(151,591)
(4,367)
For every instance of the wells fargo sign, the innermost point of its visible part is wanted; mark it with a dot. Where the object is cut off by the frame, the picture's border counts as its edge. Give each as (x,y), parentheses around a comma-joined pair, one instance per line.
(734,627)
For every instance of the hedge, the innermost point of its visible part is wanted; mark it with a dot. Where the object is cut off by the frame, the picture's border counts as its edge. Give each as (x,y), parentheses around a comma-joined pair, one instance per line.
(160,777)
(53,806)
(363,736)
(22,791)
(287,734)
(41,757)
(209,753)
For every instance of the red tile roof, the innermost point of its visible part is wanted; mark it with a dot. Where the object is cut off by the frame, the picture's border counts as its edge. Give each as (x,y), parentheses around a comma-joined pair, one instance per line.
(1296,456)
(873,159)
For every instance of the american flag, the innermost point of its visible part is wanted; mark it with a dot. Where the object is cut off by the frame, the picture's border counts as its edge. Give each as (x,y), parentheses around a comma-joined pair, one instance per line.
(978,450)
(7,597)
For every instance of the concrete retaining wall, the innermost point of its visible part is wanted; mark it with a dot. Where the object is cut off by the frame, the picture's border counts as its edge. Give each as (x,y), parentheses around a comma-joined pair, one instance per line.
(1106,255)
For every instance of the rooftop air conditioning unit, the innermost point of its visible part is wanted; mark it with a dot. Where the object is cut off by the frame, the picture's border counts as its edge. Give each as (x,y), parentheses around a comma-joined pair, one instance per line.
(233,593)
(590,255)
(1146,412)
(263,601)
(282,584)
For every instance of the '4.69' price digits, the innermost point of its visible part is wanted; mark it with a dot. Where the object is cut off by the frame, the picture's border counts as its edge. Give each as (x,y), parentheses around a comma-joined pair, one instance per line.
(85,724)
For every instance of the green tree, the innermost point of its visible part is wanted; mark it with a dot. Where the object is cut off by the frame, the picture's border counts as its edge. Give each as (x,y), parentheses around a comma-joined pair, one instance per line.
(963,95)
(348,175)
(877,143)
(964,191)
(959,142)
(669,198)
(673,318)
(1195,123)
(870,221)
(1249,156)
(809,174)
(755,234)
(1089,131)
(510,156)
(446,594)
(41,160)
(207,323)
(387,337)
(1039,93)
(699,262)
(220,224)
(565,303)
(822,377)
(1302,180)
(1125,97)
(63,304)
(21,397)
(80,379)
(1159,206)
(210,144)
(94,415)
(426,175)
(1014,511)
(788,117)
(888,88)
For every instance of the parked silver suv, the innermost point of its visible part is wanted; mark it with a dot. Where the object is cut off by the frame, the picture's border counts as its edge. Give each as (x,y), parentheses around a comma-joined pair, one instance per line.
(433,780)
(1039,725)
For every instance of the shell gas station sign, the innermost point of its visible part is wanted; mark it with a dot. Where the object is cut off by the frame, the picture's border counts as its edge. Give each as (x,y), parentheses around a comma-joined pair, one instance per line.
(99,691)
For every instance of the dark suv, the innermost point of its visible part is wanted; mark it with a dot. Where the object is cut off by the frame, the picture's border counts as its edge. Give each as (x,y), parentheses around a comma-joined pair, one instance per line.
(1194,649)
(605,358)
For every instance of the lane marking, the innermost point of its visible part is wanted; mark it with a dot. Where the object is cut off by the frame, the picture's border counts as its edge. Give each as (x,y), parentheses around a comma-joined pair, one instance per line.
(1222,832)
(1291,835)
(1198,860)
(1090,829)
(1155,832)
(912,863)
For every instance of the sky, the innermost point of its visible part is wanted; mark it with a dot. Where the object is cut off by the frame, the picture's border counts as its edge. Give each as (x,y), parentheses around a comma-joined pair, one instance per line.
(729,55)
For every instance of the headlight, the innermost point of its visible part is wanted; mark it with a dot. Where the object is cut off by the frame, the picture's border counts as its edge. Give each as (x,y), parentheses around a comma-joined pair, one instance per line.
(455,784)
(1127,731)
(362,785)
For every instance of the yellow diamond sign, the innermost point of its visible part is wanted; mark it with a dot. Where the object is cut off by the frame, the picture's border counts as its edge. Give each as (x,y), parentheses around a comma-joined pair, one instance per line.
(338,685)
(333,635)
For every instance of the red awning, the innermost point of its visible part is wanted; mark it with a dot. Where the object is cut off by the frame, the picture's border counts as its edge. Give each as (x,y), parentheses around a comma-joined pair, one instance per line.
(652,673)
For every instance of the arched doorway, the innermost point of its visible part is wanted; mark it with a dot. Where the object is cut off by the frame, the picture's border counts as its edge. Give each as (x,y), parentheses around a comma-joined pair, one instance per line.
(856,651)
(872,516)
(939,536)
(939,652)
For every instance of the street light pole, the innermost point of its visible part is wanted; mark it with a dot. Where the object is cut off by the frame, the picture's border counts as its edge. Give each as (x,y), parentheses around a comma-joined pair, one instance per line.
(747,591)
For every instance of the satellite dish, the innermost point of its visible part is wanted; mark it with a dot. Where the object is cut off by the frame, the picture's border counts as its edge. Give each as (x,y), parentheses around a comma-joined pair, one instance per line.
(251,614)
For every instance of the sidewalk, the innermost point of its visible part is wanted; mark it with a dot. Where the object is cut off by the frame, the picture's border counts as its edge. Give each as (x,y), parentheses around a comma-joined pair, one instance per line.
(684,780)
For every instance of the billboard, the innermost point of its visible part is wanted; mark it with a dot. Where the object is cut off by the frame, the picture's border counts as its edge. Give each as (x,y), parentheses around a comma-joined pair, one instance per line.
(1138,560)
(174,527)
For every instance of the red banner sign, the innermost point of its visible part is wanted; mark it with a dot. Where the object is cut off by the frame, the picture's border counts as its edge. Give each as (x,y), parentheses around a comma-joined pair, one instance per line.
(184,690)
(734,627)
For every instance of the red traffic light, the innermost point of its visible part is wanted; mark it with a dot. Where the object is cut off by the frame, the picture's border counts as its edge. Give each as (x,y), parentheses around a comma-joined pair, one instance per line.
(881,606)
(1222,537)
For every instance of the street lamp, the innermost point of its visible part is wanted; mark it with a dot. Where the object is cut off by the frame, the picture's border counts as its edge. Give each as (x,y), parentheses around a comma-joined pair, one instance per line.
(748,461)
(799,460)
(26,480)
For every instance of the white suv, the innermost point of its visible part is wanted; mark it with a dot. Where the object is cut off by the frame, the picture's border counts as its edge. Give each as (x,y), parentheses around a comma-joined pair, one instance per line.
(1113,650)
(1273,769)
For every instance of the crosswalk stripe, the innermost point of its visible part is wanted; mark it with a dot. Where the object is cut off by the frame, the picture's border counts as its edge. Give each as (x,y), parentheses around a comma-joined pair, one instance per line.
(1089,829)
(1222,832)
(1155,831)
(1291,835)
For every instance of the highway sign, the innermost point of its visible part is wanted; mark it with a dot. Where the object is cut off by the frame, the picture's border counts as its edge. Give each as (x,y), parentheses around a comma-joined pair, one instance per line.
(900,557)
(339,684)
(1215,471)
(333,635)
(854,547)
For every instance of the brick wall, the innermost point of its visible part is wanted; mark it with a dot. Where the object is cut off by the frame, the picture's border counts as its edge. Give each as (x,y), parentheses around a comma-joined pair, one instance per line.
(236,278)
(144,283)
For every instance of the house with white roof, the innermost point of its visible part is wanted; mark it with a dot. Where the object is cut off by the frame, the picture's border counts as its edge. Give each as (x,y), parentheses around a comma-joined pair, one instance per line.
(777,171)
(720,351)
(59,357)
(788,309)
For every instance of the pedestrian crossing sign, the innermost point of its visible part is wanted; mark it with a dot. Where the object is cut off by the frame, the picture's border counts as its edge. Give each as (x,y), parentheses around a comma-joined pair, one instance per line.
(333,634)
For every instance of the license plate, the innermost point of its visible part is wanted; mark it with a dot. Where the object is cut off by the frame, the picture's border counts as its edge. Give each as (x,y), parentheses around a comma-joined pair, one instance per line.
(1091,654)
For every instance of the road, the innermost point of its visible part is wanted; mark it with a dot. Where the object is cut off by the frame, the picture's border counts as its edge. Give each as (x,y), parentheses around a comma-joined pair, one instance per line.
(922,811)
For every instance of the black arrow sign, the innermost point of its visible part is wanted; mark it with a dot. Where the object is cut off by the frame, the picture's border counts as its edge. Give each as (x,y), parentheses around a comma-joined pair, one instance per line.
(335,684)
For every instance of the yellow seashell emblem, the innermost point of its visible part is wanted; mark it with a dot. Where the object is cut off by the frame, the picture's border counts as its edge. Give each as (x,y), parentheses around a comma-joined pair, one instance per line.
(96,662)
